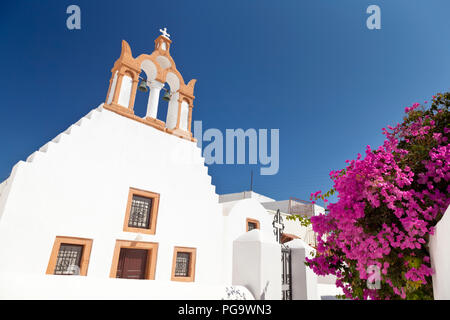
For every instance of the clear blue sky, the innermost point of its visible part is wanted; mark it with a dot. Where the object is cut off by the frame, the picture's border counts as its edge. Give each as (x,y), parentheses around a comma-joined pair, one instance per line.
(309,68)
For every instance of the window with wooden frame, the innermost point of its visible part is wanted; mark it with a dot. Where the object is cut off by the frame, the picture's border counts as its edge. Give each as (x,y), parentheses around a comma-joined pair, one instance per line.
(70,256)
(134,260)
(251,224)
(183,265)
(142,211)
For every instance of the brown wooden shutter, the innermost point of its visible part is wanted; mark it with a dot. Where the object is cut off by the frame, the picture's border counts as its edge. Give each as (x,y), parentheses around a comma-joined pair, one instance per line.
(132,263)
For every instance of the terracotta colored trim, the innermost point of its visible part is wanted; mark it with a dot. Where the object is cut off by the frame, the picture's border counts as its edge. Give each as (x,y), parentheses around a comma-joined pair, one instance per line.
(180,102)
(152,247)
(84,261)
(153,213)
(253,221)
(285,237)
(192,260)
(155,123)
(289,235)
(119,110)
(181,133)
(190,118)
(127,65)
(133,93)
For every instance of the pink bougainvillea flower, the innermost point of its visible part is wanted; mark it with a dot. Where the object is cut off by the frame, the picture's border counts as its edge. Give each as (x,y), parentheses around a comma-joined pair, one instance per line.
(389,202)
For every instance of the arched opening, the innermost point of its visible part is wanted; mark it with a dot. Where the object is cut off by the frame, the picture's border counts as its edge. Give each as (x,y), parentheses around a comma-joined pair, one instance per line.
(161,101)
(141,101)
(172,108)
(125,90)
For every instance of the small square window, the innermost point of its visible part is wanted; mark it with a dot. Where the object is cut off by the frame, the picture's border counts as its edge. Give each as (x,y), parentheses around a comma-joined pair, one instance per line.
(70,256)
(182,264)
(69,259)
(252,224)
(183,268)
(141,212)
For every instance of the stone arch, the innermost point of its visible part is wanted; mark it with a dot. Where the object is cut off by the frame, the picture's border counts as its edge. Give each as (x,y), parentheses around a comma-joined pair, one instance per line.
(164,62)
(174,72)
(161,70)
(150,69)
(173,81)
(172,112)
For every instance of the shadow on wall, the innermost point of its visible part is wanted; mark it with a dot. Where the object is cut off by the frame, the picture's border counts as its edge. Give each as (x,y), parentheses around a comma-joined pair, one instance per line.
(263,295)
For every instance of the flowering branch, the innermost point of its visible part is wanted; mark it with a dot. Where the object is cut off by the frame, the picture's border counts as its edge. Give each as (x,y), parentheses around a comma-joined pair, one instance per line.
(388,204)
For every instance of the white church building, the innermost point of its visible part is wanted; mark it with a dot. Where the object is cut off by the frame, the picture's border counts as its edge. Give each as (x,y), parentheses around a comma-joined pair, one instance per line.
(122,207)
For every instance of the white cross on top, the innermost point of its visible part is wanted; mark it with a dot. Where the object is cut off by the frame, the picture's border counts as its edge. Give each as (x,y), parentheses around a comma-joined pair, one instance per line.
(164,33)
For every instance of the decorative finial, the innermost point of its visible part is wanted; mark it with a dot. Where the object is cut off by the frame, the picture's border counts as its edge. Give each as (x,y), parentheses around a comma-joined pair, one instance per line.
(164,33)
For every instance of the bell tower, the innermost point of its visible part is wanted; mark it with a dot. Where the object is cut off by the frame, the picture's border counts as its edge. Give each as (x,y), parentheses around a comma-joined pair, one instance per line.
(124,81)
(160,71)
(162,43)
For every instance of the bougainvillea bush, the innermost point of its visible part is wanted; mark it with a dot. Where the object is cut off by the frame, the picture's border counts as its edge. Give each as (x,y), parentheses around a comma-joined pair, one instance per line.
(388,204)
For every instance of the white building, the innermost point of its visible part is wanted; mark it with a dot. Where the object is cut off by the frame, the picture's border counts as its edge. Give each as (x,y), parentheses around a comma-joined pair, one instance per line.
(241,203)
(119,196)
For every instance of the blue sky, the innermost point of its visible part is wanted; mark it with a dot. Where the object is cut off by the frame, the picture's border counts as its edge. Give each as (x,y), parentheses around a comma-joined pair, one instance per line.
(309,68)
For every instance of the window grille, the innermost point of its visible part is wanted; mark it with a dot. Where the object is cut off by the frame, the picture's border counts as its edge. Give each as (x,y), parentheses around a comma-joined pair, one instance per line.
(252,225)
(140,212)
(182,264)
(68,260)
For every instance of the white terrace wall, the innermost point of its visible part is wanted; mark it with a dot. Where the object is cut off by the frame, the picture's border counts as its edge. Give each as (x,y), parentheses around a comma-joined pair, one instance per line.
(50,287)
(440,258)
(283,206)
(257,265)
(78,184)
(243,195)
(304,280)
(235,223)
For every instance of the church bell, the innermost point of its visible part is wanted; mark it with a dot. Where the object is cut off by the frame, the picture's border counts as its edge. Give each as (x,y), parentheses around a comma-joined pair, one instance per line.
(143,86)
(166,96)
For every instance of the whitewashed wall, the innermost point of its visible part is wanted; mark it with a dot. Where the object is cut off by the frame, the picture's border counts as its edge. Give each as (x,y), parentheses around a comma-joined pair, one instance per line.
(304,280)
(78,186)
(235,223)
(257,265)
(244,195)
(440,258)
(50,287)
(235,217)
